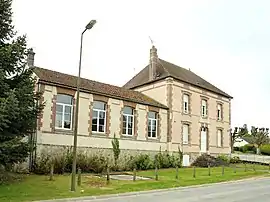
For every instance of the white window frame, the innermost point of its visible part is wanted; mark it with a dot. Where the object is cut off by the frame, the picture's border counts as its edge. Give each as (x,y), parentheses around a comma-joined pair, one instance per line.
(186,111)
(219,138)
(185,140)
(127,118)
(219,112)
(98,111)
(63,116)
(151,126)
(204,108)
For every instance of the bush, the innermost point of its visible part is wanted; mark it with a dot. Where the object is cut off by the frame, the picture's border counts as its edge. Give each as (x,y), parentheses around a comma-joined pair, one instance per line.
(165,160)
(141,162)
(224,158)
(63,163)
(265,149)
(204,160)
(235,159)
(236,148)
(95,163)
(248,148)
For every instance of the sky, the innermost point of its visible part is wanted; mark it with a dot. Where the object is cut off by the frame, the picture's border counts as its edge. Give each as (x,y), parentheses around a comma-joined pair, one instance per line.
(227,42)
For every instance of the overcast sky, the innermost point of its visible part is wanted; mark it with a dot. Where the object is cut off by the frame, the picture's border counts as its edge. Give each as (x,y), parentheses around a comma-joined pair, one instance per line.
(227,42)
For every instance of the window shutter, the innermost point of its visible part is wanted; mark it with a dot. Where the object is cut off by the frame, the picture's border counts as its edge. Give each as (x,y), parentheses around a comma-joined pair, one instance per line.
(206,108)
(222,138)
(189,104)
(221,112)
(185,134)
(207,139)
(157,124)
(189,138)
(135,123)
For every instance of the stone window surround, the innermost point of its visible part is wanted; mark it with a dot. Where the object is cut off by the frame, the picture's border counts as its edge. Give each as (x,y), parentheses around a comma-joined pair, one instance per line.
(135,121)
(189,132)
(189,94)
(222,111)
(108,116)
(158,136)
(222,136)
(64,91)
(207,106)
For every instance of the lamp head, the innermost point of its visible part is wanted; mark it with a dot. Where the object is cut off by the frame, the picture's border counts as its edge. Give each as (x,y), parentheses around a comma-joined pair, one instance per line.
(91,24)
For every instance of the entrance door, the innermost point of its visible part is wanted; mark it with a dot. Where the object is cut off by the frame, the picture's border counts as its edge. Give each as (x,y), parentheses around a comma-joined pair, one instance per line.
(203,139)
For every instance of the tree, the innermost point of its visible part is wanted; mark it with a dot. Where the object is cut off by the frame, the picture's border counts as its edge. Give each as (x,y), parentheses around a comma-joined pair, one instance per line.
(259,137)
(116,149)
(238,132)
(19,108)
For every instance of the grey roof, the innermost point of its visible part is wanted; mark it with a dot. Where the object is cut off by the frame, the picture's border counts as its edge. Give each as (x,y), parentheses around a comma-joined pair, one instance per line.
(167,69)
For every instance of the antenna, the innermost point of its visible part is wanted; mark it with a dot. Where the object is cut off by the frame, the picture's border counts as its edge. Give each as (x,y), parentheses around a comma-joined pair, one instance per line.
(152,42)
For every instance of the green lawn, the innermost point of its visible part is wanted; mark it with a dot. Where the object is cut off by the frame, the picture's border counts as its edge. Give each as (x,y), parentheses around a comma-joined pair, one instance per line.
(35,187)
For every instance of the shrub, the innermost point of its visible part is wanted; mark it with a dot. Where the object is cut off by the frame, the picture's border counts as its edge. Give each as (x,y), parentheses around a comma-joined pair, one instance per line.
(224,158)
(141,162)
(63,163)
(164,160)
(204,160)
(265,149)
(235,159)
(236,148)
(248,148)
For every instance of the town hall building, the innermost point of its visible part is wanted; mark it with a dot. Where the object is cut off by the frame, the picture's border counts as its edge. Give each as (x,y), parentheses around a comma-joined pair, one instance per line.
(163,107)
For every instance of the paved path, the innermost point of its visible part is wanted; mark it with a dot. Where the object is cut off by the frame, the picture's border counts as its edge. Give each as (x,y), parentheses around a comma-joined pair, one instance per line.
(243,191)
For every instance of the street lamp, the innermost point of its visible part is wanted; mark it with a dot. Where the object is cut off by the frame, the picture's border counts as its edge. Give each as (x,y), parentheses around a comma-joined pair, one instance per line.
(73,176)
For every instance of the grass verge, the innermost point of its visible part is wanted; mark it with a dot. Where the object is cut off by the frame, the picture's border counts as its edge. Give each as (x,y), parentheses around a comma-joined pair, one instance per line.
(36,187)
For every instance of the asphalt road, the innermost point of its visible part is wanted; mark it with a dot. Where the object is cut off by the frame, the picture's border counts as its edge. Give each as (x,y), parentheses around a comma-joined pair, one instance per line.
(244,191)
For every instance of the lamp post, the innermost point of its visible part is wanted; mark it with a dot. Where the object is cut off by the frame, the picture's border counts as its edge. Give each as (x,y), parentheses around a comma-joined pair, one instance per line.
(73,176)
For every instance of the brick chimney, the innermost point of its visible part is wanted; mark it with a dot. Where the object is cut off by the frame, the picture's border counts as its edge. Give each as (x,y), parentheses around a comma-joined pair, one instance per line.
(31,57)
(153,63)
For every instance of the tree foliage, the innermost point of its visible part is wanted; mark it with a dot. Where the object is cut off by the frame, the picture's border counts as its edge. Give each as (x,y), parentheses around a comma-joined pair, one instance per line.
(259,137)
(116,149)
(19,108)
(238,133)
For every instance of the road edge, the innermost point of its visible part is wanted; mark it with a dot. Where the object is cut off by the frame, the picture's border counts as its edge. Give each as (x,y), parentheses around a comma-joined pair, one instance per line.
(111,196)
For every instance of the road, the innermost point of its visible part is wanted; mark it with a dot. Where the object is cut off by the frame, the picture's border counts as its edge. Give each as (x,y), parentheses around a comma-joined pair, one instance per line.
(243,191)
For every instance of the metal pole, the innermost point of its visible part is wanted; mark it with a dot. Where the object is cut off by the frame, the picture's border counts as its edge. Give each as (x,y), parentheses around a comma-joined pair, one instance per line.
(73,176)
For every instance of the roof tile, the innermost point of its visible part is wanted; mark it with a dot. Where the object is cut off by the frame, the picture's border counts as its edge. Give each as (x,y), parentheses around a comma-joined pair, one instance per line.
(94,87)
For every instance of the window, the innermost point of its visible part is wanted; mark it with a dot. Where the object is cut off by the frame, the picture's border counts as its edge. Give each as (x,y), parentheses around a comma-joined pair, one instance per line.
(204,108)
(64,111)
(152,124)
(185,133)
(219,138)
(219,112)
(128,118)
(186,103)
(99,117)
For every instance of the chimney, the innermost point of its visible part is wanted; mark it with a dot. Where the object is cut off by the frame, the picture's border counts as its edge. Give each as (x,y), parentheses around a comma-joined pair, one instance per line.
(31,57)
(153,63)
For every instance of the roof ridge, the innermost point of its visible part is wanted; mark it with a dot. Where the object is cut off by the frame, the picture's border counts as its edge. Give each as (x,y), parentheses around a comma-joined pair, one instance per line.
(66,74)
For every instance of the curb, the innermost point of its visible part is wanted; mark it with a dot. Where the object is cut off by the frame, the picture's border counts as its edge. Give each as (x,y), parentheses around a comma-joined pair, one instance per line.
(129,194)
